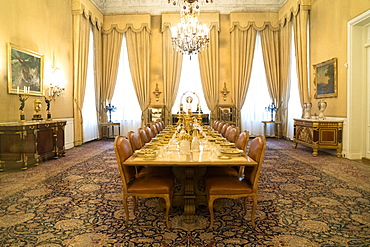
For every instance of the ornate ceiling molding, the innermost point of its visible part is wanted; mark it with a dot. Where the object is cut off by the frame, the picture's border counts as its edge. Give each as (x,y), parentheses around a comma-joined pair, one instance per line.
(157,7)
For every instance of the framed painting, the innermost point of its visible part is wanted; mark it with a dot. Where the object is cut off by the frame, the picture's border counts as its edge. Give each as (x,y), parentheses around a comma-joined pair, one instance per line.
(25,71)
(325,79)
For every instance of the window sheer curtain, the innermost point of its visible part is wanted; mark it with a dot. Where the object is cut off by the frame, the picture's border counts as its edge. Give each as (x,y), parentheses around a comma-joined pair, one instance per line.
(190,81)
(253,110)
(294,106)
(128,112)
(89,110)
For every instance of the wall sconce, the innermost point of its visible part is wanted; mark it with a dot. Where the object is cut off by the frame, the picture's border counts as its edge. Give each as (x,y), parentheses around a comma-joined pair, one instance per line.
(156,93)
(225,92)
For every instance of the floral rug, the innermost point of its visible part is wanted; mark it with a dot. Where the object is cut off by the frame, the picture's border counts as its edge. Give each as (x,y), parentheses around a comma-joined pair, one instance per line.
(76,201)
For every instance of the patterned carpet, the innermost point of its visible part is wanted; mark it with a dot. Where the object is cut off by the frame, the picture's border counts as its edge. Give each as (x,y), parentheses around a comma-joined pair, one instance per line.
(76,201)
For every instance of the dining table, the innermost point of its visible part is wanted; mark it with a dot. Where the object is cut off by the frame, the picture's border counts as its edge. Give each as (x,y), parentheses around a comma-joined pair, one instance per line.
(189,166)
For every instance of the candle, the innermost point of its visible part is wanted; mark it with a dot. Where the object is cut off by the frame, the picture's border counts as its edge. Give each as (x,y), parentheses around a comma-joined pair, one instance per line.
(17,89)
(24,90)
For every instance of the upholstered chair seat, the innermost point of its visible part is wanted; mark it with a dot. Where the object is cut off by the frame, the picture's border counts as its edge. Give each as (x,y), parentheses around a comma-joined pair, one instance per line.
(150,185)
(226,185)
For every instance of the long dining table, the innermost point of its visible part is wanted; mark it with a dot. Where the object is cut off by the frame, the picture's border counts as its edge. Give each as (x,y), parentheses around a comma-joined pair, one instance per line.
(189,167)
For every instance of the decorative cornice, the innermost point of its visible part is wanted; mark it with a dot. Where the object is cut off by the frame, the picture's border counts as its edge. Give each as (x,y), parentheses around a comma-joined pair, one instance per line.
(157,7)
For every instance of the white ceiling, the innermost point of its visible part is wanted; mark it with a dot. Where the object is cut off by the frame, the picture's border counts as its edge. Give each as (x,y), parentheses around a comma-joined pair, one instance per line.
(156,7)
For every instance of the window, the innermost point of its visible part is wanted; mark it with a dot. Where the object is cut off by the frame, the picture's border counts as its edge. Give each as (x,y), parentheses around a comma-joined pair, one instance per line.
(128,112)
(253,110)
(89,114)
(294,104)
(190,81)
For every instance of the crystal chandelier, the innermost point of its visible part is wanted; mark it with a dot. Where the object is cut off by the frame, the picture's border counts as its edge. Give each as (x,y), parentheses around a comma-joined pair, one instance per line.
(189,36)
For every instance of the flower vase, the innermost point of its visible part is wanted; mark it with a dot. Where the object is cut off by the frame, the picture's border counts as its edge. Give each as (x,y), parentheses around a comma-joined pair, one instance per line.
(322,107)
(307,110)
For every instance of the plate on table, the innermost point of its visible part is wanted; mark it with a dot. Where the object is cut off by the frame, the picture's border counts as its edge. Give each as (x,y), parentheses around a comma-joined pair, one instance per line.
(234,152)
(227,144)
(149,156)
(224,157)
(143,152)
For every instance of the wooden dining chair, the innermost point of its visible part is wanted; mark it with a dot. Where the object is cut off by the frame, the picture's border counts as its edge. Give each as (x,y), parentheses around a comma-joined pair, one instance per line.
(228,129)
(149,132)
(143,136)
(135,140)
(154,129)
(159,126)
(144,186)
(242,140)
(236,171)
(232,187)
(219,126)
(223,129)
(232,135)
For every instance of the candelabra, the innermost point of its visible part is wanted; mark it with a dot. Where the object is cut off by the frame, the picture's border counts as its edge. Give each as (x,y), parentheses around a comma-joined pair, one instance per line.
(271,108)
(22,99)
(110,108)
(53,92)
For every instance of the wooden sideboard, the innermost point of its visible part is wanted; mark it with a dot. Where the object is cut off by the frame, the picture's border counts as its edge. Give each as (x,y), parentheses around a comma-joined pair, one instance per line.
(28,143)
(318,134)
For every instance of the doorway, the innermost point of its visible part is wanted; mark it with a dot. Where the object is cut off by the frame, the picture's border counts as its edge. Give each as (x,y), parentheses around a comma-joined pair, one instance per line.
(358,87)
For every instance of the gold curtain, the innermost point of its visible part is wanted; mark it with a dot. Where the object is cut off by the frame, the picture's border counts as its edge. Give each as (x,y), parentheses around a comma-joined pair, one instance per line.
(138,46)
(300,21)
(209,72)
(285,38)
(98,73)
(270,50)
(112,42)
(172,62)
(81,36)
(242,51)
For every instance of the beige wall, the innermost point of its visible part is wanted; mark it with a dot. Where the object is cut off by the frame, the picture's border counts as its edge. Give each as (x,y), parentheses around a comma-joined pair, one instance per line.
(45,27)
(328,40)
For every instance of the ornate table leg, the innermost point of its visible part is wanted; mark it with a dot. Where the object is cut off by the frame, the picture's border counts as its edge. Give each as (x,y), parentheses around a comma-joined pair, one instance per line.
(189,195)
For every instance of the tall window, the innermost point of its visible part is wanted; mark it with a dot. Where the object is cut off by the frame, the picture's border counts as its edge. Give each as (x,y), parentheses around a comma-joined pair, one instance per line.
(128,111)
(294,104)
(89,115)
(253,110)
(190,81)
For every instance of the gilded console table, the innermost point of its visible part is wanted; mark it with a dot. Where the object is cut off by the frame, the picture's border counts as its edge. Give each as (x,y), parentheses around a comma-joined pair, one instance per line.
(28,143)
(318,134)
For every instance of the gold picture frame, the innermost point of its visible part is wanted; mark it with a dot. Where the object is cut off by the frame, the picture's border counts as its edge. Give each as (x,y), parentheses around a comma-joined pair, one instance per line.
(325,79)
(25,71)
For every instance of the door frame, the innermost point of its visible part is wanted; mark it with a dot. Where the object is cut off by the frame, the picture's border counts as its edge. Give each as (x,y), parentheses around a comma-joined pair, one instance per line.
(357,87)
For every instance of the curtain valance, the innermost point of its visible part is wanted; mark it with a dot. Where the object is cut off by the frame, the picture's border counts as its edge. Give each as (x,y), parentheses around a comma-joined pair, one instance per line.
(211,19)
(121,23)
(292,8)
(258,21)
(89,11)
